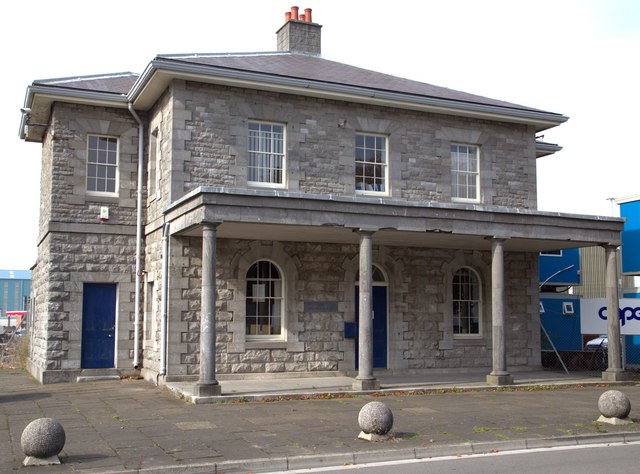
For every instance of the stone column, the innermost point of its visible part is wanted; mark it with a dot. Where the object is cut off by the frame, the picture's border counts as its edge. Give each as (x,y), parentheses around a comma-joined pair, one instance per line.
(499,374)
(365,379)
(614,371)
(207,385)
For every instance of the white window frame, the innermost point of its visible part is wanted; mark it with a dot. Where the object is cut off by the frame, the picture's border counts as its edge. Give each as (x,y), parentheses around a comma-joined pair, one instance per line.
(551,253)
(567,308)
(263,295)
(92,159)
(269,149)
(462,177)
(478,304)
(383,164)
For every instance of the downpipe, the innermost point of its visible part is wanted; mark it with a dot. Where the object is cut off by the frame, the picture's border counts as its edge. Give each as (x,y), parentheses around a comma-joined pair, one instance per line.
(163,300)
(136,328)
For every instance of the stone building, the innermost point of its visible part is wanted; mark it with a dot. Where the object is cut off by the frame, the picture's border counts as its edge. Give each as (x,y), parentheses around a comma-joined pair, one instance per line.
(221,215)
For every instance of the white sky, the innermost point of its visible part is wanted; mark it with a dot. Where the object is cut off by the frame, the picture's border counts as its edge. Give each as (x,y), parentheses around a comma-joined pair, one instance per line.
(580,58)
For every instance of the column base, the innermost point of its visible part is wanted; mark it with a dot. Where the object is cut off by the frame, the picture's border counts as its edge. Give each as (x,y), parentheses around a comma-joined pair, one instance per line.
(208,390)
(500,379)
(615,375)
(362,385)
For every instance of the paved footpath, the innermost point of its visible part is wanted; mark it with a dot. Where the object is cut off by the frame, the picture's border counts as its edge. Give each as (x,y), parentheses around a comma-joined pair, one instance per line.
(133,426)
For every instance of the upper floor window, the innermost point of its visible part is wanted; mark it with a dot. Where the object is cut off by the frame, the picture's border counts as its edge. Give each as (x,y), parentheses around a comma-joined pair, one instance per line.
(371,163)
(102,164)
(465,172)
(264,301)
(466,303)
(266,154)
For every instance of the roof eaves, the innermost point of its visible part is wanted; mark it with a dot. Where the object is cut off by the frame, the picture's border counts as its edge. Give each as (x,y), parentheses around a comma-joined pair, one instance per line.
(243,78)
(546,149)
(39,97)
(76,79)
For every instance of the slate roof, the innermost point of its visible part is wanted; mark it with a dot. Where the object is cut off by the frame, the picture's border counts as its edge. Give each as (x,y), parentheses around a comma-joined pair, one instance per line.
(317,69)
(115,83)
(297,73)
(285,65)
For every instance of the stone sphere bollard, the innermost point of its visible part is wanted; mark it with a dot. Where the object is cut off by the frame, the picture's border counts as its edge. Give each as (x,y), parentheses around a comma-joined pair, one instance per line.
(42,439)
(375,420)
(614,404)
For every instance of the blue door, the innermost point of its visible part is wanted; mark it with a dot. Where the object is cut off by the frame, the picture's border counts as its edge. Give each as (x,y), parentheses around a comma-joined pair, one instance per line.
(98,325)
(379,305)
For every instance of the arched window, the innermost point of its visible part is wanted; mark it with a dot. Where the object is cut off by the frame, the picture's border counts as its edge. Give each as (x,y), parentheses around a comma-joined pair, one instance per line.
(466,302)
(264,301)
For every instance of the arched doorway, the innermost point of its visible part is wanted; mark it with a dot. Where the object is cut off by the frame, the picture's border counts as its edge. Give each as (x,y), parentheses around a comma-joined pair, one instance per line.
(379,304)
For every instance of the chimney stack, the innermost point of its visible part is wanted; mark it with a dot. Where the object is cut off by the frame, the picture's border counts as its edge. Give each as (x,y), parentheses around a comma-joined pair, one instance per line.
(299,34)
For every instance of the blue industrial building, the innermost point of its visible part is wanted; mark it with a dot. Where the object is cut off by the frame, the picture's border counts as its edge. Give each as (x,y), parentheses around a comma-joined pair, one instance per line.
(559,309)
(630,210)
(15,288)
(561,270)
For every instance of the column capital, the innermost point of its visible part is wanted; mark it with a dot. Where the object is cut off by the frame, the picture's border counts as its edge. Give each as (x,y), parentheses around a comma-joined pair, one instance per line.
(210,224)
(610,246)
(495,238)
(366,230)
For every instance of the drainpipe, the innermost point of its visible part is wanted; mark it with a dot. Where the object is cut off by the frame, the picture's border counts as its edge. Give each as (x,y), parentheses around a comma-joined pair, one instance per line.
(136,328)
(163,301)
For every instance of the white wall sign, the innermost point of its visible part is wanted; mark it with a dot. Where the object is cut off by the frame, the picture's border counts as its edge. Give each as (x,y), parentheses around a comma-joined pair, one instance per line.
(593,316)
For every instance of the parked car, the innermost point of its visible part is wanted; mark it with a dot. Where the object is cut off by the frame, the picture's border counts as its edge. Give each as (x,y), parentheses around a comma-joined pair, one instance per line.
(599,348)
(600,342)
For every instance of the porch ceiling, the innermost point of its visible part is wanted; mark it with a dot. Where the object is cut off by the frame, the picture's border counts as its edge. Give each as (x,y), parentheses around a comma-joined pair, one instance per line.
(394,238)
(286,216)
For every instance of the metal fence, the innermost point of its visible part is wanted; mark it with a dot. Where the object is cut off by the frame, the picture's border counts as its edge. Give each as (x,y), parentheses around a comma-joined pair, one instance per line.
(564,347)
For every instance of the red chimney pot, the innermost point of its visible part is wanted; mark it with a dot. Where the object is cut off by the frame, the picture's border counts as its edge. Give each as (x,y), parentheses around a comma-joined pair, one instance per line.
(294,13)
(307,15)
(287,16)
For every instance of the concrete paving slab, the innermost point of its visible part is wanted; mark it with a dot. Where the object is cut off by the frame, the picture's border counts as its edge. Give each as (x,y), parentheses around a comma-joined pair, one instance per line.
(129,425)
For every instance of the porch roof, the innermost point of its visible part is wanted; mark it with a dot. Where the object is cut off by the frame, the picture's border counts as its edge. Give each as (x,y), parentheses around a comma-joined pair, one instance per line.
(293,216)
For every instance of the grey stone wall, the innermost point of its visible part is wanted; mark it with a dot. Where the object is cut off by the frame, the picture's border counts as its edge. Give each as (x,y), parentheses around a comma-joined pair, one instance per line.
(202,133)
(66,261)
(209,143)
(320,282)
(67,196)
(74,247)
